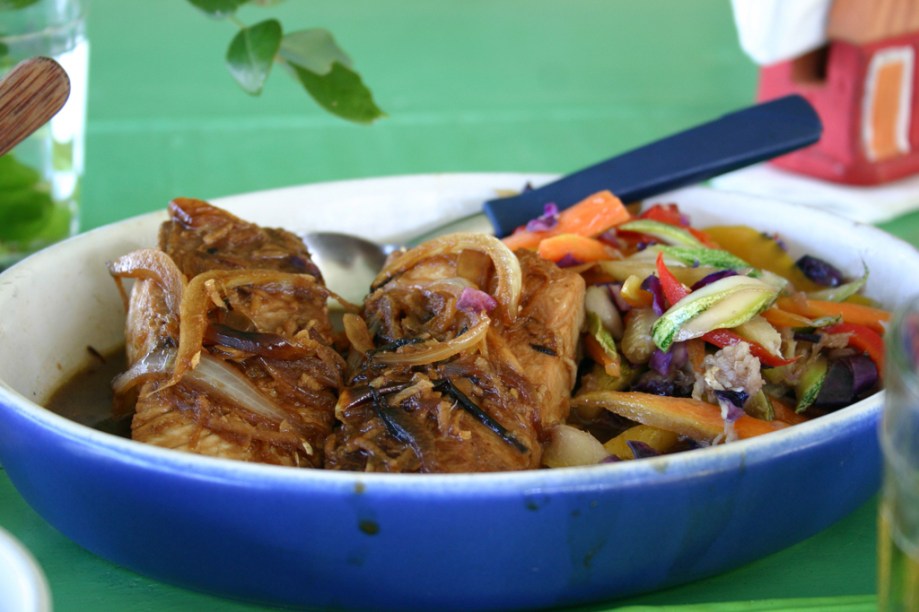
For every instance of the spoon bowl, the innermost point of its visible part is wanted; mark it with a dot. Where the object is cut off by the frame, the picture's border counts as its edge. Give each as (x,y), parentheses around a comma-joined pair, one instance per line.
(349,263)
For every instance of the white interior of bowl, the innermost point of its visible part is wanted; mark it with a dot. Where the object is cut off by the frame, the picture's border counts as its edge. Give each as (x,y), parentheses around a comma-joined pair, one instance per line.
(62,300)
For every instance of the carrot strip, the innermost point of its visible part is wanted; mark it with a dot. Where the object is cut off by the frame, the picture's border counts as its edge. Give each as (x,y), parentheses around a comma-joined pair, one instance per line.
(695,350)
(693,418)
(783,318)
(611,365)
(579,248)
(785,412)
(860,314)
(590,217)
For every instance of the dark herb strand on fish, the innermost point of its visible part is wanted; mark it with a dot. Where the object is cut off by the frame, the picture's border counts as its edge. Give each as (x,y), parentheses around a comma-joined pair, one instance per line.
(446,386)
(545,350)
(396,345)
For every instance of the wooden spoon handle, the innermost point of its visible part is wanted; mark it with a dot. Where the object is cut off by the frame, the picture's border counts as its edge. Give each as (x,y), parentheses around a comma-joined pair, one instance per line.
(32,93)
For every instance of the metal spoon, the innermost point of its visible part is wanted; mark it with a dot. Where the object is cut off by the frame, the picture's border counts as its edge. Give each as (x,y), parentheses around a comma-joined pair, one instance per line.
(753,134)
(30,94)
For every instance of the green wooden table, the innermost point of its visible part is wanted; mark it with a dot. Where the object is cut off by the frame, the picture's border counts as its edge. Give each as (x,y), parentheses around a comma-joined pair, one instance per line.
(468,85)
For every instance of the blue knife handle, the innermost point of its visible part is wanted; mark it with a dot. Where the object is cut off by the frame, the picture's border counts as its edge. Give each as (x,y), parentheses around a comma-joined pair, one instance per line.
(741,138)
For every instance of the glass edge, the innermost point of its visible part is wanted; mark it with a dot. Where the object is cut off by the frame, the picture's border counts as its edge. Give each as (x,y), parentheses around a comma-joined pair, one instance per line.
(898,357)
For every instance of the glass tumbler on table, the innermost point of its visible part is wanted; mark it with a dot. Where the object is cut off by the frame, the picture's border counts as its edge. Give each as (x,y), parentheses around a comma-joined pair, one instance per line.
(898,521)
(40,178)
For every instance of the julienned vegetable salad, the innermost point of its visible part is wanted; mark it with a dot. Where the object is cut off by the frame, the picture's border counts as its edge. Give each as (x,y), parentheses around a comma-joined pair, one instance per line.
(696,337)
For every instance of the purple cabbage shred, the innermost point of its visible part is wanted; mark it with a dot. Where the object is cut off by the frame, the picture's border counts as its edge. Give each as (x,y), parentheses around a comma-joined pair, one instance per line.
(711,278)
(475,300)
(652,284)
(847,379)
(820,271)
(568,260)
(733,401)
(615,292)
(655,383)
(660,361)
(864,373)
(641,450)
(679,354)
(610,237)
(546,221)
(804,336)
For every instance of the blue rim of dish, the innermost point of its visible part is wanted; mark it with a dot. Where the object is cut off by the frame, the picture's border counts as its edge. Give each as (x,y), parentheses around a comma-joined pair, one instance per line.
(657,469)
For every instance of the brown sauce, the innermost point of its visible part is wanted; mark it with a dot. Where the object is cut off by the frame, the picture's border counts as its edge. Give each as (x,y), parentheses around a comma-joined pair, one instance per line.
(87,396)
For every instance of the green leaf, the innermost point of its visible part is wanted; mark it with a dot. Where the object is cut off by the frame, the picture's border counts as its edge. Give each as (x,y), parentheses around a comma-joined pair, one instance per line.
(252,53)
(25,200)
(341,92)
(218,8)
(314,50)
(12,5)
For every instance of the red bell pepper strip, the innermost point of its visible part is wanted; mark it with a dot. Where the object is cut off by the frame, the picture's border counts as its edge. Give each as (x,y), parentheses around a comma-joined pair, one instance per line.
(673,289)
(863,338)
(670,214)
(726,337)
(665,213)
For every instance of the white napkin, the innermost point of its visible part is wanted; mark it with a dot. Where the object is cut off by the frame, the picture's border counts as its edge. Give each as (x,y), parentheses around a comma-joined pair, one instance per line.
(866,204)
(776,30)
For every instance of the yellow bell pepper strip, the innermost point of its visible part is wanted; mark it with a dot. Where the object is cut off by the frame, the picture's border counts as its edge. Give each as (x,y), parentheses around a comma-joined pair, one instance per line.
(634,295)
(760,251)
(660,440)
(590,217)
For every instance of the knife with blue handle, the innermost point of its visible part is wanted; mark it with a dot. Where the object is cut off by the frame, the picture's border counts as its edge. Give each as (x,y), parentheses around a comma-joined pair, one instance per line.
(741,138)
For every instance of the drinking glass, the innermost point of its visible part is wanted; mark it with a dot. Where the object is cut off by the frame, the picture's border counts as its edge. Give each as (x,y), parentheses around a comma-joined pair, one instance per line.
(898,521)
(40,178)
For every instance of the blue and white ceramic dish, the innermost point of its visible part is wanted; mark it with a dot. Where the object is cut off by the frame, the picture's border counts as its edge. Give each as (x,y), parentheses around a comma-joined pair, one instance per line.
(495,541)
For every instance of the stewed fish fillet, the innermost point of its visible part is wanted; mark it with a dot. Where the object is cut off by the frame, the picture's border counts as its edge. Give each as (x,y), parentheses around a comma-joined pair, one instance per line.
(228,340)
(462,360)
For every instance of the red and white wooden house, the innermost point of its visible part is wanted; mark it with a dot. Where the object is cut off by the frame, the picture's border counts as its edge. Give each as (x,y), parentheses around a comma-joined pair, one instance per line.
(859,71)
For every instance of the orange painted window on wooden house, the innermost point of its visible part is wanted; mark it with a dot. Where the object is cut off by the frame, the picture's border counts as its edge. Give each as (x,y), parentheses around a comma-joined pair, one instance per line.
(887,105)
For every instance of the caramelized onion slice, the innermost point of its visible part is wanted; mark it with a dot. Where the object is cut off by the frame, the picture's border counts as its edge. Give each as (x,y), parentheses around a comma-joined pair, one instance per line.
(197,303)
(154,265)
(228,383)
(357,333)
(159,362)
(211,374)
(430,352)
(507,267)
